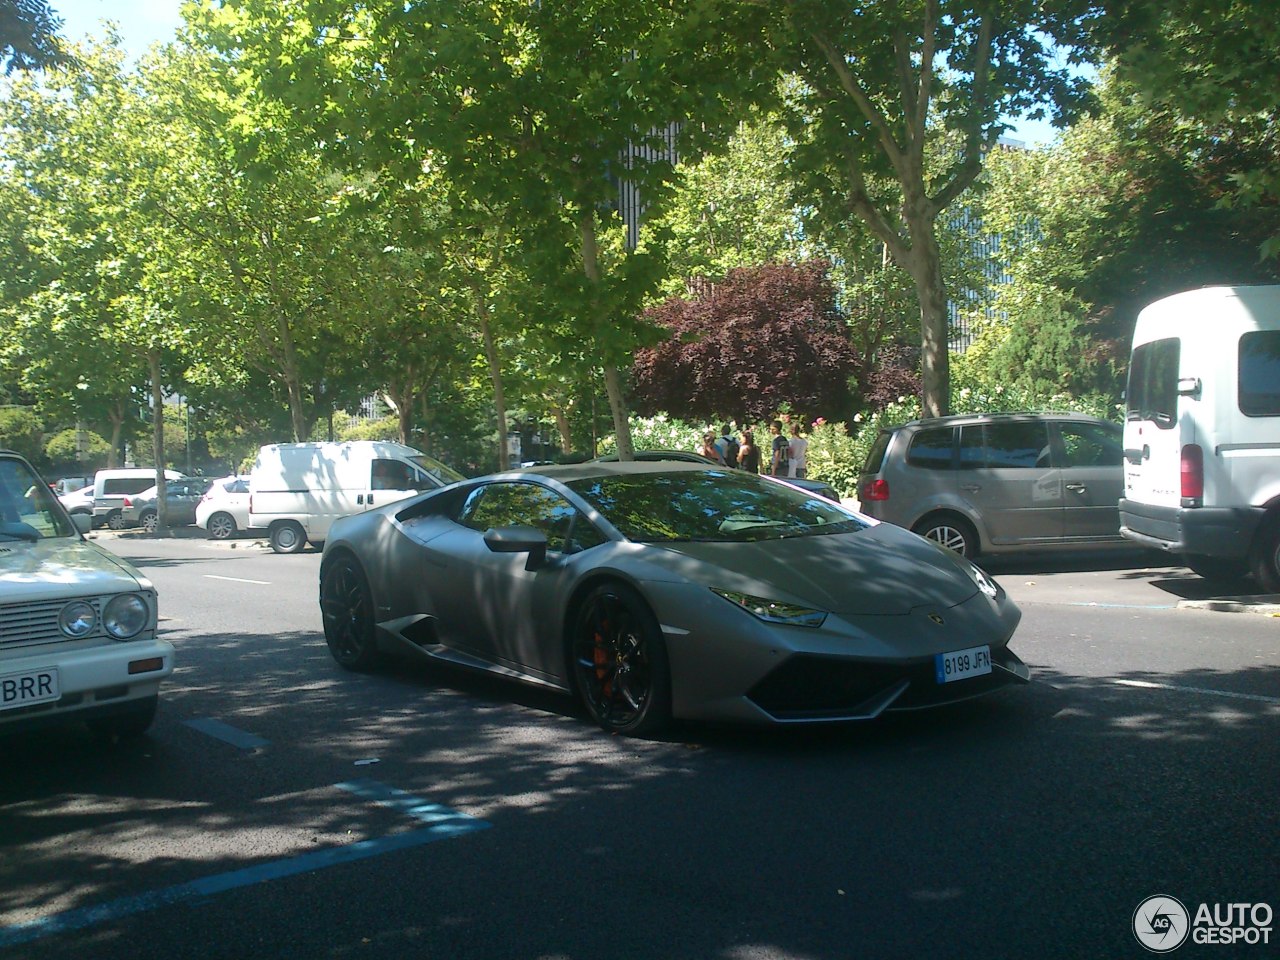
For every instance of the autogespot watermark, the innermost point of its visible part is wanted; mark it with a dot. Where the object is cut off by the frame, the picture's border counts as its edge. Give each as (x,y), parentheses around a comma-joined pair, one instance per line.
(1161,923)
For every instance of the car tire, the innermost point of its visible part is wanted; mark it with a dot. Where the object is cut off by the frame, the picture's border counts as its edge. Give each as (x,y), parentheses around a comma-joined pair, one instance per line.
(129,724)
(346,607)
(1265,560)
(221,526)
(287,536)
(115,520)
(951,531)
(1215,568)
(149,521)
(615,636)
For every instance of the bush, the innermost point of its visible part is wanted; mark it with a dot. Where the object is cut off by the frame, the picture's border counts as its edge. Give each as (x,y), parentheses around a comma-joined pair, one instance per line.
(21,431)
(62,448)
(659,433)
(973,391)
(386,428)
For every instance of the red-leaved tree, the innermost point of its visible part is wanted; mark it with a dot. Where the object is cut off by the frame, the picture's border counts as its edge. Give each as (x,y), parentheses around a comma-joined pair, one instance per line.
(764,337)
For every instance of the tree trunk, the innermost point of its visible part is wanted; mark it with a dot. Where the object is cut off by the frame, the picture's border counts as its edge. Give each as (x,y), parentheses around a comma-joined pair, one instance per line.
(157,437)
(495,376)
(116,418)
(612,375)
(925,266)
(562,425)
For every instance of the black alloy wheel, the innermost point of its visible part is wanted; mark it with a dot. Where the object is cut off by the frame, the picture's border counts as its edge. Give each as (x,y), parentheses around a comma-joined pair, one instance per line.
(619,662)
(346,606)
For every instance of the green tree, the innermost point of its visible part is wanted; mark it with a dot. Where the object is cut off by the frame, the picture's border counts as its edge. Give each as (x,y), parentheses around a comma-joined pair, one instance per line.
(29,36)
(21,430)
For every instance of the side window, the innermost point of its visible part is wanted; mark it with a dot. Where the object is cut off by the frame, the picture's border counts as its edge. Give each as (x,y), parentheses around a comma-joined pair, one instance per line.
(522,504)
(391,475)
(1017,445)
(1153,383)
(1091,445)
(973,452)
(931,449)
(1260,374)
(126,486)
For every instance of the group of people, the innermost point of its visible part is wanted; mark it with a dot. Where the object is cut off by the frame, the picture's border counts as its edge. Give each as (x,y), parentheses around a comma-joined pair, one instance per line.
(784,458)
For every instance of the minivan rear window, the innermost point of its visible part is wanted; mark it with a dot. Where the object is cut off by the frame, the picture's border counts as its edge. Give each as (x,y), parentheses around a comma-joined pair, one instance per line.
(875,457)
(931,449)
(1260,374)
(1153,383)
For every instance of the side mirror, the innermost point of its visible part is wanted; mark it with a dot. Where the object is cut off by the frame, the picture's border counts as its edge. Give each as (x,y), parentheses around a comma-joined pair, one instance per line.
(1189,387)
(518,539)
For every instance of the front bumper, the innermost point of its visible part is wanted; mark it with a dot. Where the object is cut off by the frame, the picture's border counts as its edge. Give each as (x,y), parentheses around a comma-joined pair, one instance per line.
(1223,532)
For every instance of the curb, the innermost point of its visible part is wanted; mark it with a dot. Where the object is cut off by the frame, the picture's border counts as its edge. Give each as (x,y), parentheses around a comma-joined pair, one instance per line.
(1268,605)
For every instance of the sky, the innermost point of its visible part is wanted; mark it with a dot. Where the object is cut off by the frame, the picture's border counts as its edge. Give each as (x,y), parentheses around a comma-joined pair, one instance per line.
(144,22)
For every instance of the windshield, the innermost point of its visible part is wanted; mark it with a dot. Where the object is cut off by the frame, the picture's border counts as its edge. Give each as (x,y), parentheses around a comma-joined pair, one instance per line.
(437,471)
(28,508)
(711,506)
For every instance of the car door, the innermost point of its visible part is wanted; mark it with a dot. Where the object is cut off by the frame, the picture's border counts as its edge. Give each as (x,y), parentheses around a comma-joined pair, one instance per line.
(181,499)
(1008,477)
(506,610)
(391,480)
(1091,456)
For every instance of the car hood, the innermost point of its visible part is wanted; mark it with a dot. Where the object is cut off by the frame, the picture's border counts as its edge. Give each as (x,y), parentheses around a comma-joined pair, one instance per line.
(62,567)
(882,570)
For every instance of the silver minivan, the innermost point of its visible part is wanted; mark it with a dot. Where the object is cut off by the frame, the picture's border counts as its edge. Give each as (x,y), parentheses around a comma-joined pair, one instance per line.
(992,483)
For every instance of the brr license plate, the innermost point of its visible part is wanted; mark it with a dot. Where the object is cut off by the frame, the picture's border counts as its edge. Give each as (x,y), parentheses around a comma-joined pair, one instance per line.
(23,689)
(961,664)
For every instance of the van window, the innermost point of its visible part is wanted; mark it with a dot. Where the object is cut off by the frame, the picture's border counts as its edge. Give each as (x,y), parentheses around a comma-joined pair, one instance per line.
(875,457)
(393,475)
(1091,445)
(973,452)
(127,486)
(931,449)
(1260,374)
(1017,445)
(1153,383)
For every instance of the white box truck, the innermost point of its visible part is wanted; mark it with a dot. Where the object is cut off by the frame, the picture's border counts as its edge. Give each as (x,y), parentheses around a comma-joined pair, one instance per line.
(1202,432)
(297,490)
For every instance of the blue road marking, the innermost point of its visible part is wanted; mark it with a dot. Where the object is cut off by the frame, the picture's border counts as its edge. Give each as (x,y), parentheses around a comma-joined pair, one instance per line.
(227,733)
(444,823)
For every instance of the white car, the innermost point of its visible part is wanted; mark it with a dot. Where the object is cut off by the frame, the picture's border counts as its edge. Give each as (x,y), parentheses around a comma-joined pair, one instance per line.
(77,624)
(78,501)
(224,509)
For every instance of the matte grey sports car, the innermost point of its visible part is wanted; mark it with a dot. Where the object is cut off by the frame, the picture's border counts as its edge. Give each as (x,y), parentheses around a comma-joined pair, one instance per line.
(652,590)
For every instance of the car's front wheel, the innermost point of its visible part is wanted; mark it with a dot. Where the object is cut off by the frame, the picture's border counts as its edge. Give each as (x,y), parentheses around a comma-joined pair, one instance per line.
(222,526)
(619,661)
(128,724)
(951,531)
(115,520)
(149,520)
(346,607)
(287,536)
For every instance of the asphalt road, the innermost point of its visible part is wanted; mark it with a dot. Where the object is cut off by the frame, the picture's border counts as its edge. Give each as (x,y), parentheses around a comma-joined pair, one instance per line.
(282,807)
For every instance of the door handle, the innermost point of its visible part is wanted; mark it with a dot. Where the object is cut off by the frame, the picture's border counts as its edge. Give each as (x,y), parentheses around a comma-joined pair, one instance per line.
(971,487)
(1077,487)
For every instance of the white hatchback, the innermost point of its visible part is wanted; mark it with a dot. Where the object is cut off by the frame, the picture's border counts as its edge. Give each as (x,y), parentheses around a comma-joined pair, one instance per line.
(224,509)
(77,624)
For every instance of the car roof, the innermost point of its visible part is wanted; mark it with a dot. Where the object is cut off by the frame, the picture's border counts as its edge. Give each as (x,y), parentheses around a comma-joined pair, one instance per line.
(593,469)
(967,418)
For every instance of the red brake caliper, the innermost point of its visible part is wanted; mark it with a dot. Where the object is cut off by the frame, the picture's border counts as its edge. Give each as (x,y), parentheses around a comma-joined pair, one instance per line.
(600,657)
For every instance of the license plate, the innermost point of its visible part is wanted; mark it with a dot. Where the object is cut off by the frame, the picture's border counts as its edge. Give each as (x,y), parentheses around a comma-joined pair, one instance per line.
(961,664)
(23,689)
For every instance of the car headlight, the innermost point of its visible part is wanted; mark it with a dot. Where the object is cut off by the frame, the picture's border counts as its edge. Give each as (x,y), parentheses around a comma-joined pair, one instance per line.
(774,611)
(985,583)
(77,619)
(125,616)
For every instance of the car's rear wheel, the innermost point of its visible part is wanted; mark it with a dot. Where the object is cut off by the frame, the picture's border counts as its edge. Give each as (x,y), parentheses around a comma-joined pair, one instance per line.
(222,526)
(287,536)
(619,661)
(115,520)
(149,521)
(1265,561)
(346,606)
(131,723)
(951,531)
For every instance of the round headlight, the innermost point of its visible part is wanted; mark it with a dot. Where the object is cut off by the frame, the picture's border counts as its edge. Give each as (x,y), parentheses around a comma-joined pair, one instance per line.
(125,616)
(77,619)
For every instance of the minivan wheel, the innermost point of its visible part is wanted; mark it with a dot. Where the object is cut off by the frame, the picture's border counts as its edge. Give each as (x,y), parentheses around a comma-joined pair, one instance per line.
(150,520)
(1266,555)
(954,533)
(115,520)
(287,537)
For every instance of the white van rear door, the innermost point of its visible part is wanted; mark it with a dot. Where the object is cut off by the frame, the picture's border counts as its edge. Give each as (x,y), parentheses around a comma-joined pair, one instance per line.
(1152,434)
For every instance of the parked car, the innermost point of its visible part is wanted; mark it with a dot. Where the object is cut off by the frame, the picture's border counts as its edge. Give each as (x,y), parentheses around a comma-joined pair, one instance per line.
(663,589)
(1202,432)
(994,483)
(78,501)
(77,624)
(224,509)
(110,487)
(296,490)
(66,485)
(820,487)
(181,497)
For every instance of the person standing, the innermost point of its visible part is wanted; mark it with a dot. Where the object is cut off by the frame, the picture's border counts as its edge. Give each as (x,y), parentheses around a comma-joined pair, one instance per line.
(749,453)
(728,447)
(778,457)
(796,448)
(708,448)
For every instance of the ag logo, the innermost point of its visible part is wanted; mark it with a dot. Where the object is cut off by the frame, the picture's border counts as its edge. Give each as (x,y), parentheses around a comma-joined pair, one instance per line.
(1161,923)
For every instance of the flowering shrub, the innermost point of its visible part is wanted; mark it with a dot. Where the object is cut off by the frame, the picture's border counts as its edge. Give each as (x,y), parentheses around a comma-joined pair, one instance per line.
(659,433)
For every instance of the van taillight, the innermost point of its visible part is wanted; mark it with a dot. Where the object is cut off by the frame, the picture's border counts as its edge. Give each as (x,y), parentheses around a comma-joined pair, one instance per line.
(1192,473)
(875,490)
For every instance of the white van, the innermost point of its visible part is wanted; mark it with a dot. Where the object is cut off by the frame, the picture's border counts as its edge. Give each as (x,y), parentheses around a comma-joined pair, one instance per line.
(1202,431)
(297,490)
(110,487)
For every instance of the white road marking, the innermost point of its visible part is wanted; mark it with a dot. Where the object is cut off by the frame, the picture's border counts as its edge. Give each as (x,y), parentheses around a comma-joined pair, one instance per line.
(1148,685)
(211,576)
